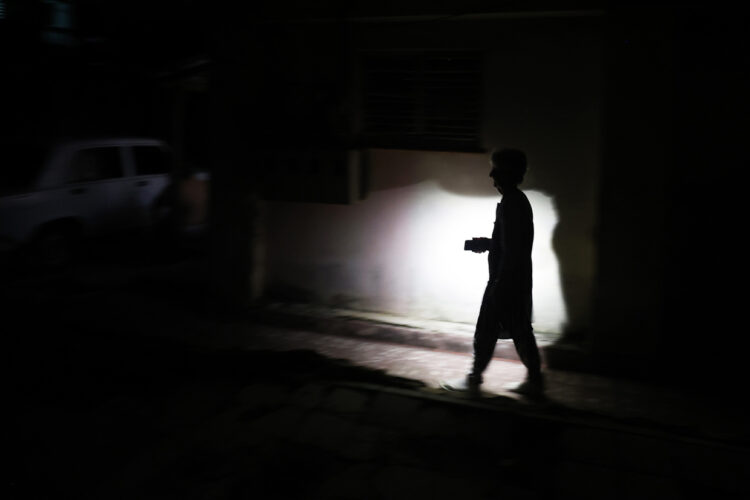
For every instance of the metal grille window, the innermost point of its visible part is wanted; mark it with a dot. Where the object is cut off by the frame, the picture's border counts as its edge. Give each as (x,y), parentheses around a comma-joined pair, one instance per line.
(424,100)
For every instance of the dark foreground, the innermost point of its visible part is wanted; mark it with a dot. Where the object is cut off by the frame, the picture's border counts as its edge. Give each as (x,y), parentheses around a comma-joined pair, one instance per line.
(106,410)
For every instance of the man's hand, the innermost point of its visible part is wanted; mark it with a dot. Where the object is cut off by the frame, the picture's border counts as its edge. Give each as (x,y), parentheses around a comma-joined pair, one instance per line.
(480,245)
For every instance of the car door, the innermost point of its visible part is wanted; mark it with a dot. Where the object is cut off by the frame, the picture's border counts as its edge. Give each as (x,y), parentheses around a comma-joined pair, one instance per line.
(152,165)
(95,189)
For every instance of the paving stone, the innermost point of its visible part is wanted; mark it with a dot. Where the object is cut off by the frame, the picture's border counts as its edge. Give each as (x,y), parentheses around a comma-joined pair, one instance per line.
(346,400)
(278,423)
(719,468)
(401,482)
(219,433)
(452,486)
(644,486)
(218,490)
(490,429)
(586,481)
(213,466)
(403,455)
(578,480)
(308,468)
(191,405)
(368,442)
(260,397)
(393,410)
(671,460)
(433,419)
(448,454)
(215,475)
(734,470)
(129,407)
(645,454)
(308,396)
(355,482)
(233,427)
(348,439)
(396,482)
(585,444)
(359,450)
(325,431)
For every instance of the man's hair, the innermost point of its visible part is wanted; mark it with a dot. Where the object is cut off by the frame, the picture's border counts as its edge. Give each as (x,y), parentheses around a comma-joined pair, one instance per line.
(512,164)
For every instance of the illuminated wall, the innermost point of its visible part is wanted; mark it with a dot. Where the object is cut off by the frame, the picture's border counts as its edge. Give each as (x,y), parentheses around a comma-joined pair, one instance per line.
(401,249)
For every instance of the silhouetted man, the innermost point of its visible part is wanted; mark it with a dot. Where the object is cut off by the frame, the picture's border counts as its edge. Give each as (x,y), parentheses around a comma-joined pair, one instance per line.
(506,305)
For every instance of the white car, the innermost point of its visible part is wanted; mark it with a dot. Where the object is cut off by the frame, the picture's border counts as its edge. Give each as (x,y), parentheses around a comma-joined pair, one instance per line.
(81,189)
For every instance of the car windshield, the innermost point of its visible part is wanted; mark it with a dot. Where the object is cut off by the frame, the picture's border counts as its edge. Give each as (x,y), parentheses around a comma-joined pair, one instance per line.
(20,164)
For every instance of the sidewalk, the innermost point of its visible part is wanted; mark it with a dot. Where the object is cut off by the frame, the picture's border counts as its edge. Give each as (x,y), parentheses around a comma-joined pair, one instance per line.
(368,325)
(429,351)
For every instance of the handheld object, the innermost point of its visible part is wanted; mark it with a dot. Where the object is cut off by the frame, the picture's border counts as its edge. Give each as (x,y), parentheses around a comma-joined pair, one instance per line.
(471,245)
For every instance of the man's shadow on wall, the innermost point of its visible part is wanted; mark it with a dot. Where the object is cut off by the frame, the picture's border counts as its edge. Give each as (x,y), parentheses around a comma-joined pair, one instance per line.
(574,213)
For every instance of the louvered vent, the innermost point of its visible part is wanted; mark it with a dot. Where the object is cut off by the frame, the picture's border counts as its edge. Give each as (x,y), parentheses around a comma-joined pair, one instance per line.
(421,100)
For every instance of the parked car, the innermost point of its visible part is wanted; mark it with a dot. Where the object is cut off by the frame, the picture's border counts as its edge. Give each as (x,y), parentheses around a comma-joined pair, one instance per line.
(78,189)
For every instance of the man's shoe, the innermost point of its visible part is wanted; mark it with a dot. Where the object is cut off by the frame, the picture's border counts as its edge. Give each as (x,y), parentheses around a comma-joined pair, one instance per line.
(529,388)
(460,385)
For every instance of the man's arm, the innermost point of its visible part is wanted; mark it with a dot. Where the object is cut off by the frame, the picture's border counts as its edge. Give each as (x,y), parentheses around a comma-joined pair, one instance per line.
(516,237)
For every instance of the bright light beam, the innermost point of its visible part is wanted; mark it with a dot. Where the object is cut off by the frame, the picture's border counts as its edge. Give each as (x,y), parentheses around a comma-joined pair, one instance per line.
(429,273)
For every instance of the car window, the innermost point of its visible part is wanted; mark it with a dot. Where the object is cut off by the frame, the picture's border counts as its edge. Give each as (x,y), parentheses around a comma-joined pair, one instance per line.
(151,160)
(95,164)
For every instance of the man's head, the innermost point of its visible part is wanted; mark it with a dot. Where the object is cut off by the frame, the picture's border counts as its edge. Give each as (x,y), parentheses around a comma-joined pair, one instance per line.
(508,168)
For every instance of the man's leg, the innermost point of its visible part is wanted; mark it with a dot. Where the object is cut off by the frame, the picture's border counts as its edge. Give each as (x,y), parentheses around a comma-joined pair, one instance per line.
(529,353)
(485,338)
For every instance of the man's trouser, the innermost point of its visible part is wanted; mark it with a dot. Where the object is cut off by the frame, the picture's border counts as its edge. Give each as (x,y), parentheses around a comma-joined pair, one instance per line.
(488,330)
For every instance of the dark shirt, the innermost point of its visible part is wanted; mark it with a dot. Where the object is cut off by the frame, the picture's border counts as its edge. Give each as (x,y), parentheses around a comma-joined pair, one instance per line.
(510,258)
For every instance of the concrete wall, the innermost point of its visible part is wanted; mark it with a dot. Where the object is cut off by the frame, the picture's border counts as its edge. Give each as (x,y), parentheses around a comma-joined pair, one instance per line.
(400,250)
